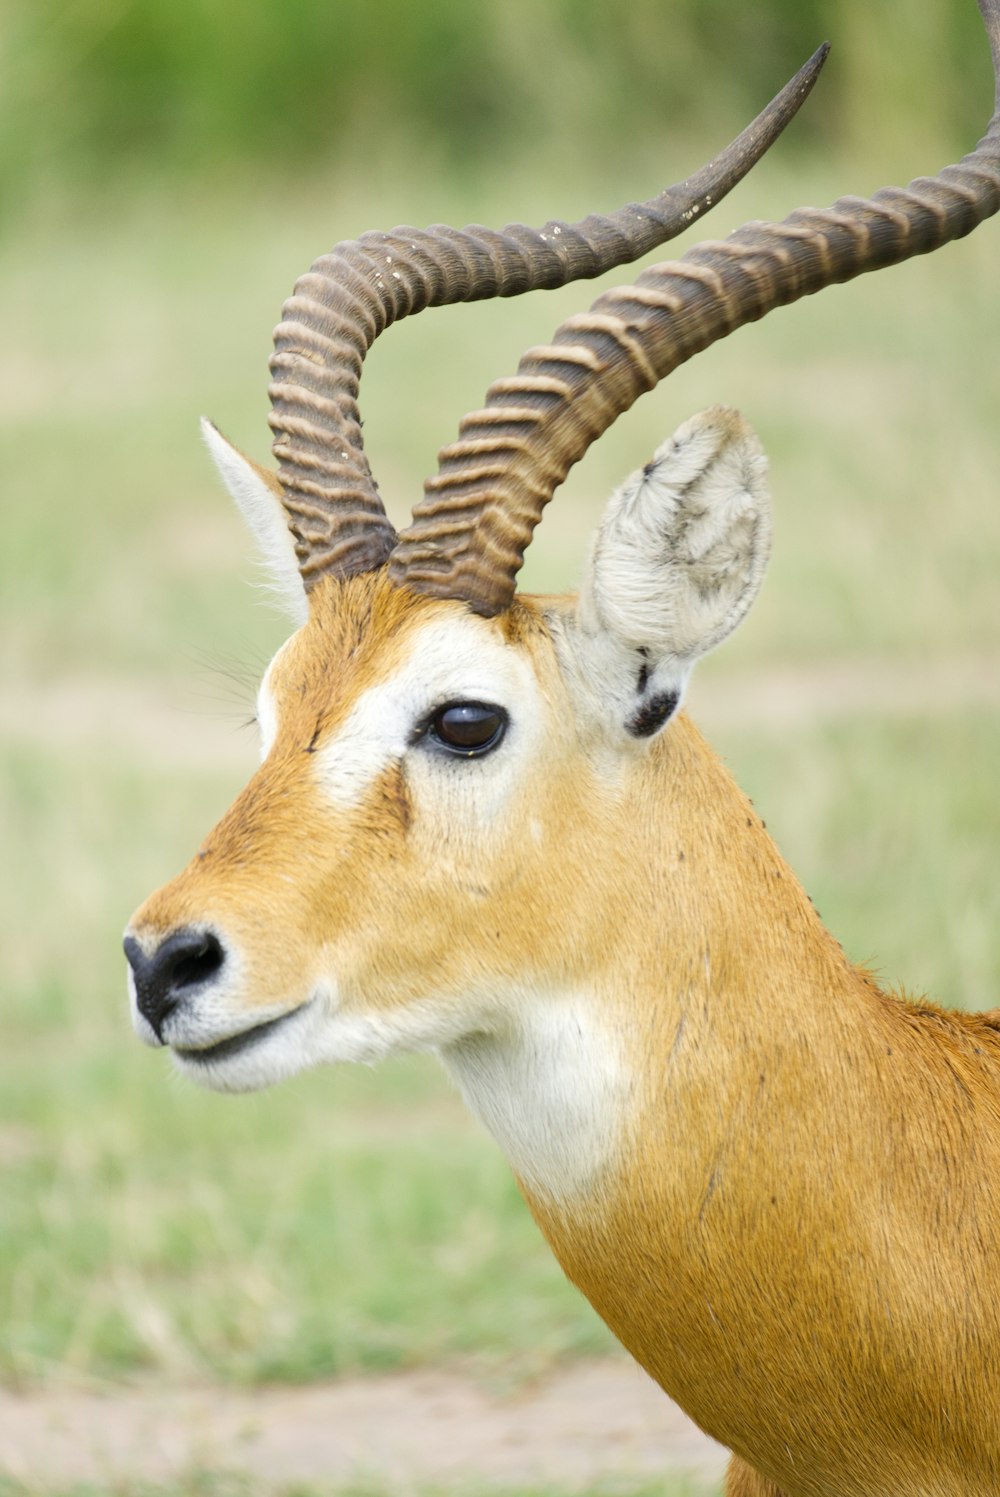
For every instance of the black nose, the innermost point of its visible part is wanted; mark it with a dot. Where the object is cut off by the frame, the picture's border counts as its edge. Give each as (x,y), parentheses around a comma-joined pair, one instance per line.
(185,960)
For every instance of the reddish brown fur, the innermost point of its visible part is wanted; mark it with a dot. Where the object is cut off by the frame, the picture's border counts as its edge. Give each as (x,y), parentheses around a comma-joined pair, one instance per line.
(799,1236)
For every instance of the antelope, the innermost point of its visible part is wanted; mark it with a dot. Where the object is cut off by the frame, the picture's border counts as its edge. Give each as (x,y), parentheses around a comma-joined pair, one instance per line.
(483,827)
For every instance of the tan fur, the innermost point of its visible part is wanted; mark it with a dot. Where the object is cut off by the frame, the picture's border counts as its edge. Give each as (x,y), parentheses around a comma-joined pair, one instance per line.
(283,874)
(798,1234)
(801,1245)
(743,1481)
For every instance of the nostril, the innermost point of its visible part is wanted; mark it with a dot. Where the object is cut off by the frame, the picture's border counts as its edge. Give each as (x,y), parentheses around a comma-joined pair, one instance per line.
(199,962)
(187,959)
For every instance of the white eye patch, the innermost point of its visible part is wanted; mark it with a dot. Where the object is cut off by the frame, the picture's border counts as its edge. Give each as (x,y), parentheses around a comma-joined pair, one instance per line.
(458,659)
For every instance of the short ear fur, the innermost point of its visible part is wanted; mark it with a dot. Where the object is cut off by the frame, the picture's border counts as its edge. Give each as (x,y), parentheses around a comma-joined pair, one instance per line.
(678,559)
(258,496)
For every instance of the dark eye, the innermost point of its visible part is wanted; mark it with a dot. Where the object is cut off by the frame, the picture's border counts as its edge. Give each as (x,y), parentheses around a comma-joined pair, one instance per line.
(467,728)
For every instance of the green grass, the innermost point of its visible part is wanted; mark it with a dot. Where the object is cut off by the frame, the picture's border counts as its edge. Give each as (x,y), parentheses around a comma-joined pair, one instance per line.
(353,1220)
(215,1485)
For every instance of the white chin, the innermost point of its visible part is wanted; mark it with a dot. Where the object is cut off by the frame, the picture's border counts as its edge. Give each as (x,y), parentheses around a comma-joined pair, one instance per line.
(255,1059)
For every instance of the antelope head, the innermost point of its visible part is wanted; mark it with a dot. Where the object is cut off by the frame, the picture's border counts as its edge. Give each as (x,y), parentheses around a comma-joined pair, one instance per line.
(471,800)
(400,871)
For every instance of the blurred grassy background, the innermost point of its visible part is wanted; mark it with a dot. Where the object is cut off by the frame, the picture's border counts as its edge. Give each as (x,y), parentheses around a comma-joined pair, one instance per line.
(201,86)
(167,172)
(213,1484)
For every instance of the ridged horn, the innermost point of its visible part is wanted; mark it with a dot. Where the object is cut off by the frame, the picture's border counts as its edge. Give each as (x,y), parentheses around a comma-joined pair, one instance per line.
(471,529)
(348,297)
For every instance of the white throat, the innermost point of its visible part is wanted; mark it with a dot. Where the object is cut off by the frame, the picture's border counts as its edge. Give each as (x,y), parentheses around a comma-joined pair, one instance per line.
(551,1089)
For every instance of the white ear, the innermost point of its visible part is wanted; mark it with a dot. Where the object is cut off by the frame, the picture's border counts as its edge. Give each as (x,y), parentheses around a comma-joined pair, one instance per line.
(258,495)
(679,558)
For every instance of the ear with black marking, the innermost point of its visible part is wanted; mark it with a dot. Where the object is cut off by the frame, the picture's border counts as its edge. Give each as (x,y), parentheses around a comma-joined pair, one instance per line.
(678,559)
(257,493)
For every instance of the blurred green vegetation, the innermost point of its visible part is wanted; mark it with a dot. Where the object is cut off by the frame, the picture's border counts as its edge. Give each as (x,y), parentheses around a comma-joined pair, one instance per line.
(357,1221)
(100,92)
(224,1484)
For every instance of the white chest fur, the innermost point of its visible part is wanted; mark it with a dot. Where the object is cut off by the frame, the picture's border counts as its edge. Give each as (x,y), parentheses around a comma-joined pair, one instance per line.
(551,1091)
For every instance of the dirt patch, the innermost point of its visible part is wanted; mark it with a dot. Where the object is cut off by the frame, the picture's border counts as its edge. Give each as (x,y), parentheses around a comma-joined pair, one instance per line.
(593,1421)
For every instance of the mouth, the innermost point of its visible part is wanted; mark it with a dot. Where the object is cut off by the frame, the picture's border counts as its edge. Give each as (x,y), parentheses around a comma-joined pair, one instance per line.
(236,1044)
